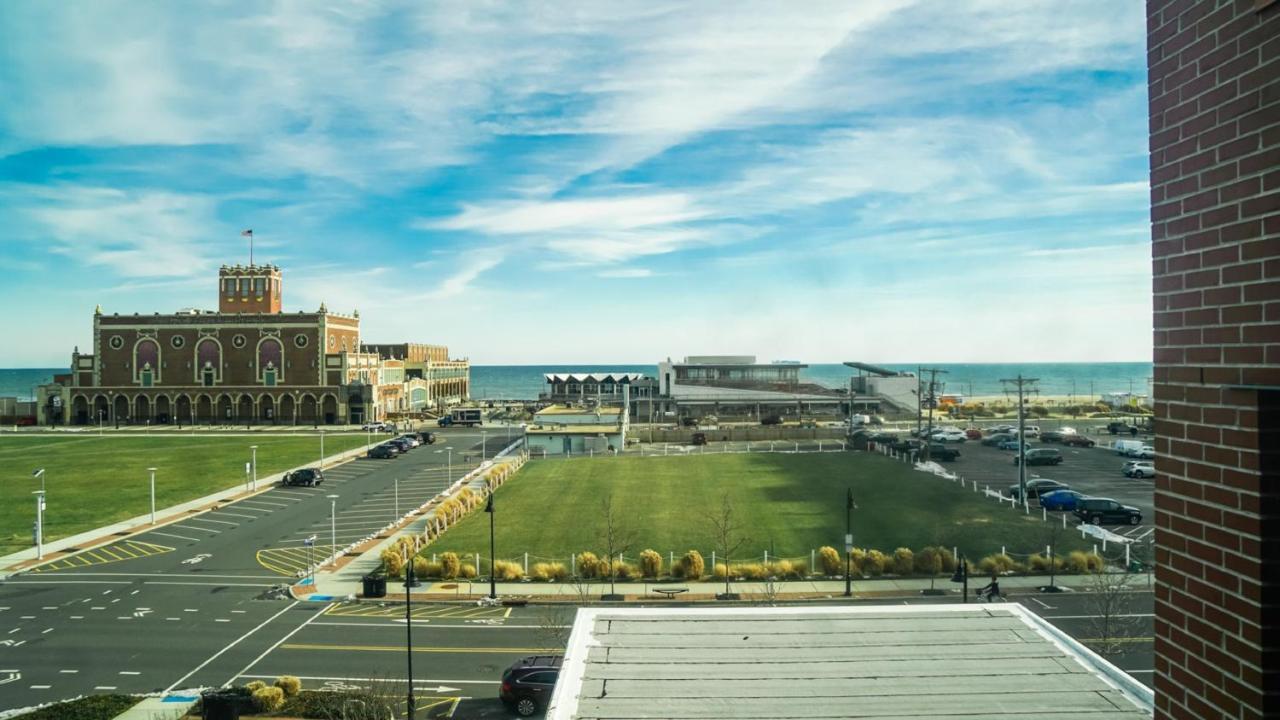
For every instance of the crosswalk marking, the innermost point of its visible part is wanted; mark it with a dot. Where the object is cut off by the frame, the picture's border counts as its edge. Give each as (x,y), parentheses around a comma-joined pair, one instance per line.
(115,552)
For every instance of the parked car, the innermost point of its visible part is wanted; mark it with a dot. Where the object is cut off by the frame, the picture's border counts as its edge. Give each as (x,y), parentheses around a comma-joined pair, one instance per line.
(402,444)
(1121,428)
(951,435)
(375,427)
(1037,486)
(1052,436)
(1105,511)
(996,429)
(1041,456)
(1147,452)
(973,434)
(1012,444)
(996,438)
(1139,469)
(1031,431)
(1078,441)
(306,477)
(412,439)
(903,446)
(1060,500)
(1122,447)
(428,438)
(771,420)
(699,439)
(527,685)
(883,437)
(945,453)
(383,452)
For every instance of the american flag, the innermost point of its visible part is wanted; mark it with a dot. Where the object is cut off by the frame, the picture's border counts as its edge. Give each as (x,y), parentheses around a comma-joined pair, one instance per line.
(246,233)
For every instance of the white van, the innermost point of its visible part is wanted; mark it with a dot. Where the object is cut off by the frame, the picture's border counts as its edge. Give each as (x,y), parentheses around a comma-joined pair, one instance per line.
(1124,447)
(1031,431)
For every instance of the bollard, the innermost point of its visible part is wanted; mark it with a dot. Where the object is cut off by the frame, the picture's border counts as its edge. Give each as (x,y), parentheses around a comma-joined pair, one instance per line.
(1127,563)
(671,558)
(713,564)
(1044,514)
(1095,548)
(811,559)
(766,557)
(1104,544)
(955,556)
(1002,552)
(526,563)
(573,566)
(1064,522)
(433,557)
(1046,551)
(477,564)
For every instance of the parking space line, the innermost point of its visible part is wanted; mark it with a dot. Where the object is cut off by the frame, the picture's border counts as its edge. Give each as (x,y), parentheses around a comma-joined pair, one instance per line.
(189,527)
(209,519)
(241,515)
(180,537)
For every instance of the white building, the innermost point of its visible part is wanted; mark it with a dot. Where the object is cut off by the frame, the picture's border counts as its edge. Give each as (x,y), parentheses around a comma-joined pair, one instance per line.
(577,430)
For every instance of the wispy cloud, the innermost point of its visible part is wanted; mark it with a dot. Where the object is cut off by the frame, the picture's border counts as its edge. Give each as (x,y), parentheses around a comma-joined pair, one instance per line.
(626,273)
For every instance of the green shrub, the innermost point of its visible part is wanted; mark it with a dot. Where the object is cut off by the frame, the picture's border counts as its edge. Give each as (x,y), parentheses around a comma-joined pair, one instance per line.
(1039,411)
(829,560)
(434,570)
(692,566)
(588,565)
(903,561)
(450,565)
(507,570)
(650,564)
(541,572)
(289,685)
(874,563)
(998,564)
(268,699)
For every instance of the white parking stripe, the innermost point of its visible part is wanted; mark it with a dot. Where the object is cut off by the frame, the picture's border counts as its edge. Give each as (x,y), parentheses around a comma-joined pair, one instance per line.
(202,518)
(203,529)
(239,515)
(180,537)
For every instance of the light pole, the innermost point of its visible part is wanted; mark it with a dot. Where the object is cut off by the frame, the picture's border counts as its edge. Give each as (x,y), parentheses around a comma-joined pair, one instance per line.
(484,446)
(333,527)
(311,565)
(408,628)
(450,467)
(153,495)
(397,497)
(39,473)
(493,588)
(848,543)
(253,450)
(39,523)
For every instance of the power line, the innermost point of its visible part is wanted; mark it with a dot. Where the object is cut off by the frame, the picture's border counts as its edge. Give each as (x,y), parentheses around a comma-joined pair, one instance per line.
(1022,385)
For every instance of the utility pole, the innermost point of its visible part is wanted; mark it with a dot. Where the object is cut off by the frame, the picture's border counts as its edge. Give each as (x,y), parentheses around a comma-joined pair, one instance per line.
(919,398)
(933,400)
(1022,385)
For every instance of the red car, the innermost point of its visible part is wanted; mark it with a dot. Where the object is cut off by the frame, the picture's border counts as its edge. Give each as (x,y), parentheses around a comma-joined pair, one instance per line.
(1077,441)
(973,434)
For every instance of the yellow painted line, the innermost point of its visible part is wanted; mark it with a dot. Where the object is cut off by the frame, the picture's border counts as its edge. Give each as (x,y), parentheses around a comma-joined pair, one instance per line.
(94,554)
(107,551)
(119,547)
(435,650)
(102,556)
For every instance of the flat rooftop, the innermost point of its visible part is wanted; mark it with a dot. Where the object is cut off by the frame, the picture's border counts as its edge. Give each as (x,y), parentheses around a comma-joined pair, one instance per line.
(867,661)
(576,410)
(574,429)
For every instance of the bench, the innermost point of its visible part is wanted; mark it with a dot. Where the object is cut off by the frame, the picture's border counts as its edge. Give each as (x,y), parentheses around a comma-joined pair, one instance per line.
(671,592)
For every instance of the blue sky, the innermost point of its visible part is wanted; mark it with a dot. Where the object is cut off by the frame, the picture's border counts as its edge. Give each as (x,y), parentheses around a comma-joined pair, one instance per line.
(883,180)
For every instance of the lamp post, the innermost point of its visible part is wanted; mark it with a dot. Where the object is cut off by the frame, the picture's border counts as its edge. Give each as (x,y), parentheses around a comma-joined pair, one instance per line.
(484,446)
(322,449)
(397,497)
(39,523)
(253,455)
(310,543)
(493,588)
(450,467)
(333,527)
(153,494)
(848,543)
(962,576)
(38,473)
(408,629)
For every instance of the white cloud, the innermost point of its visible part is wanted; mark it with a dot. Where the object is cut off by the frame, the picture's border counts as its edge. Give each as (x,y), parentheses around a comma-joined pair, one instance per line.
(626,273)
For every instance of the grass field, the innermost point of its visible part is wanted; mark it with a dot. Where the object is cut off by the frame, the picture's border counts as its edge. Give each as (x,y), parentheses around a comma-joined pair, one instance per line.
(788,505)
(97,480)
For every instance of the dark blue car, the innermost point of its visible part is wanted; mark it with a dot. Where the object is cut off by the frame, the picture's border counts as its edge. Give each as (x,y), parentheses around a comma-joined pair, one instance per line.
(1064,500)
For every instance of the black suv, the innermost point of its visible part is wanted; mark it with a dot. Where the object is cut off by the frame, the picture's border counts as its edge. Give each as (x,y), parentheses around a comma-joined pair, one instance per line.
(527,684)
(428,438)
(310,477)
(383,452)
(1105,511)
(938,451)
(1041,456)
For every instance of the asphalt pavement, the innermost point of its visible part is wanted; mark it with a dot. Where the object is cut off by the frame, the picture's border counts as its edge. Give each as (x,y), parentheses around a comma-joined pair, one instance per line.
(184,605)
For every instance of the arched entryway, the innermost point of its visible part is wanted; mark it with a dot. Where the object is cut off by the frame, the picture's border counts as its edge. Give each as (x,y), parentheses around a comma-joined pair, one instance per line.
(309,411)
(329,410)
(355,409)
(224,409)
(121,409)
(288,410)
(101,410)
(267,409)
(182,411)
(142,409)
(79,410)
(244,409)
(163,410)
(204,409)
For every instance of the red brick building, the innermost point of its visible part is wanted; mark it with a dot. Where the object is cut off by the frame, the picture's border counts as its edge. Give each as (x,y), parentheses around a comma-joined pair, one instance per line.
(1214,90)
(250,362)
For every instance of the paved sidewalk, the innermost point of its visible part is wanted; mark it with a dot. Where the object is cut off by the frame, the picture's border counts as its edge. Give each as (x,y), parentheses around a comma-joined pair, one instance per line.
(167,707)
(26,559)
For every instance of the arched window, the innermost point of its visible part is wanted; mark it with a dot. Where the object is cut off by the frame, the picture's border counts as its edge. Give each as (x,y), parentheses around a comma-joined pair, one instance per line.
(146,362)
(208,362)
(270,361)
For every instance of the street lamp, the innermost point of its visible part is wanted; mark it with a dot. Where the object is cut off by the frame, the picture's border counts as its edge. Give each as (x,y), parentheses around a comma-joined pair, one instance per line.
(962,576)
(153,495)
(322,449)
(408,627)
(253,450)
(39,473)
(493,590)
(333,526)
(450,467)
(39,523)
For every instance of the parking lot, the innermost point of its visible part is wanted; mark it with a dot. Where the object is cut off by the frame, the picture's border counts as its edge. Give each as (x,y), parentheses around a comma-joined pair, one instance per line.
(1093,471)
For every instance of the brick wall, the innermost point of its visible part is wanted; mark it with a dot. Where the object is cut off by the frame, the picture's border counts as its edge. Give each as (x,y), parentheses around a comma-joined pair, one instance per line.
(1214,91)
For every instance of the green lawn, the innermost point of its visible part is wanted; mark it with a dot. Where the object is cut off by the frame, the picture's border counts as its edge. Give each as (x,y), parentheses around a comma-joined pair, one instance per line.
(97,480)
(788,505)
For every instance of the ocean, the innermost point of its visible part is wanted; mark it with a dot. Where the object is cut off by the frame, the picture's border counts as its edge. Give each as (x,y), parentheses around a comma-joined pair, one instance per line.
(524,382)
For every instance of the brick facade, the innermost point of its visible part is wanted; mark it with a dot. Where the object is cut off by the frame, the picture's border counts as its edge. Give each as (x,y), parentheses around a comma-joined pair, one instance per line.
(1214,93)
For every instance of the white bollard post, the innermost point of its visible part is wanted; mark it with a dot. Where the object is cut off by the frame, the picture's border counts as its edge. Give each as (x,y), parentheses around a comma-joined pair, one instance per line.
(819,446)
(797,447)
(1126,557)
(477,564)
(811,559)
(1046,551)
(1064,522)
(1002,552)
(1044,514)
(766,557)
(573,565)
(713,563)
(1104,543)
(671,558)
(526,563)
(1095,548)
(955,554)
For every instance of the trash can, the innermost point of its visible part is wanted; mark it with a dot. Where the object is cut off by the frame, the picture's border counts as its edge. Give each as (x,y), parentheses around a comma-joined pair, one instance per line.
(220,706)
(375,586)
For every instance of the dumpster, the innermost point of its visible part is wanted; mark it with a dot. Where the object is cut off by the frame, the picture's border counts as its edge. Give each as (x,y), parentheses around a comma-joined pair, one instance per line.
(375,586)
(220,706)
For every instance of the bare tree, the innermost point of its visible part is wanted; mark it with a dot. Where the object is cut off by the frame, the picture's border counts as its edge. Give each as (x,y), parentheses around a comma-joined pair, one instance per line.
(618,537)
(1110,601)
(727,532)
(554,625)
(1052,536)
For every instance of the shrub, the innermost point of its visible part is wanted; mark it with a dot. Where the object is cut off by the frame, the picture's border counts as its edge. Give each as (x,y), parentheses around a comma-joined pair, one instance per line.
(434,570)
(588,565)
(857,558)
(998,563)
(507,570)
(718,572)
(829,560)
(420,568)
(903,561)
(450,565)
(254,686)
(783,569)
(541,572)
(692,566)
(929,560)
(393,561)
(874,563)
(268,699)
(753,571)
(467,572)
(1038,563)
(650,564)
(799,569)
(621,570)
(289,685)
(1082,562)
(1039,411)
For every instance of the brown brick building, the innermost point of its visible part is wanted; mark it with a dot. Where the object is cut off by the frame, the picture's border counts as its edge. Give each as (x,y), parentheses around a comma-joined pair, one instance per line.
(1214,89)
(250,362)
